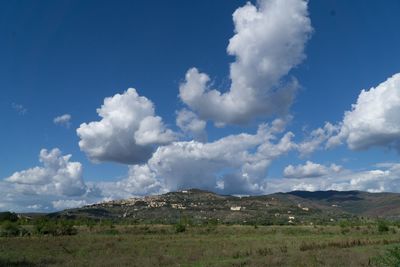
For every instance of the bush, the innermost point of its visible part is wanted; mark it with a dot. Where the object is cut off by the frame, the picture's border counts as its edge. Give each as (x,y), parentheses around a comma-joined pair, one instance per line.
(382,227)
(344,224)
(212,222)
(10,229)
(180,227)
(66,228)
(55,228)
(8,216)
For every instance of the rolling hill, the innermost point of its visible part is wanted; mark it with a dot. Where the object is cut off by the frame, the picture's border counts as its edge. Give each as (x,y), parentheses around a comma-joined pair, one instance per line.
(201,206)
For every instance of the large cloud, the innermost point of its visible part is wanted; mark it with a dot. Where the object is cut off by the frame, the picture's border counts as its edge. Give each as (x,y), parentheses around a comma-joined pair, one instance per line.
(127,132)
(57,176)
(233,164)
(58,184)
(269,41)
(374,120)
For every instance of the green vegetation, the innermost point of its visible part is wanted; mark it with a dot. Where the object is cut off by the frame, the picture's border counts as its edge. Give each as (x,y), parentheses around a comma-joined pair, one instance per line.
(45,226)
(8,216)
(180,227)
(10,229)
(10,225)
(103,243)
(391,258)
(383,226)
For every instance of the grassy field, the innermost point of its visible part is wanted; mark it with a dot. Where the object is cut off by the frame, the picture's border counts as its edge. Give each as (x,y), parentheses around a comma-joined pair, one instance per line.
(160,245)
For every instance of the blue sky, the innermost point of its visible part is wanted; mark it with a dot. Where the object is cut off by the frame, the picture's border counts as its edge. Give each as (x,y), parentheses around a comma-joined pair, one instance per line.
(66,57)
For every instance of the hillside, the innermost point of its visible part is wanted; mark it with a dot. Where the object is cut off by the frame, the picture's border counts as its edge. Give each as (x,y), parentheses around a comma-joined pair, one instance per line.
(280,208)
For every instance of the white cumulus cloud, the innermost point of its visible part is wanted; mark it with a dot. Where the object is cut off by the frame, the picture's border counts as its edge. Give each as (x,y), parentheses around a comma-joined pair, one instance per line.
(374,119)
(55,185)
(269,41)
(127,132)
(58,175)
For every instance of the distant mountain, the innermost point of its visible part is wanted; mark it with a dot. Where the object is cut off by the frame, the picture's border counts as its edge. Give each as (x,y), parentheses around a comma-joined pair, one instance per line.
(201,206)
(386,205)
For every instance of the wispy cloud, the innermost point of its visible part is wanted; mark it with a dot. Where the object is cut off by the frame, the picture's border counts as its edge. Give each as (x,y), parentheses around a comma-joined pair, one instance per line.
(20,109)
(63,120)
(309,170)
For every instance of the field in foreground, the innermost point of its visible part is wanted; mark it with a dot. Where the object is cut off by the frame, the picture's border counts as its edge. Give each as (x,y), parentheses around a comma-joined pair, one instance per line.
(160,245)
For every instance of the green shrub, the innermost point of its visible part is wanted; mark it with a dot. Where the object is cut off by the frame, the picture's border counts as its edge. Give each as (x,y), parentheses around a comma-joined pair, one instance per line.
(66,228)
(10,229)
(382,227)
(8,216)
(180,227)
(212,222)
(55,228)
(343,223)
